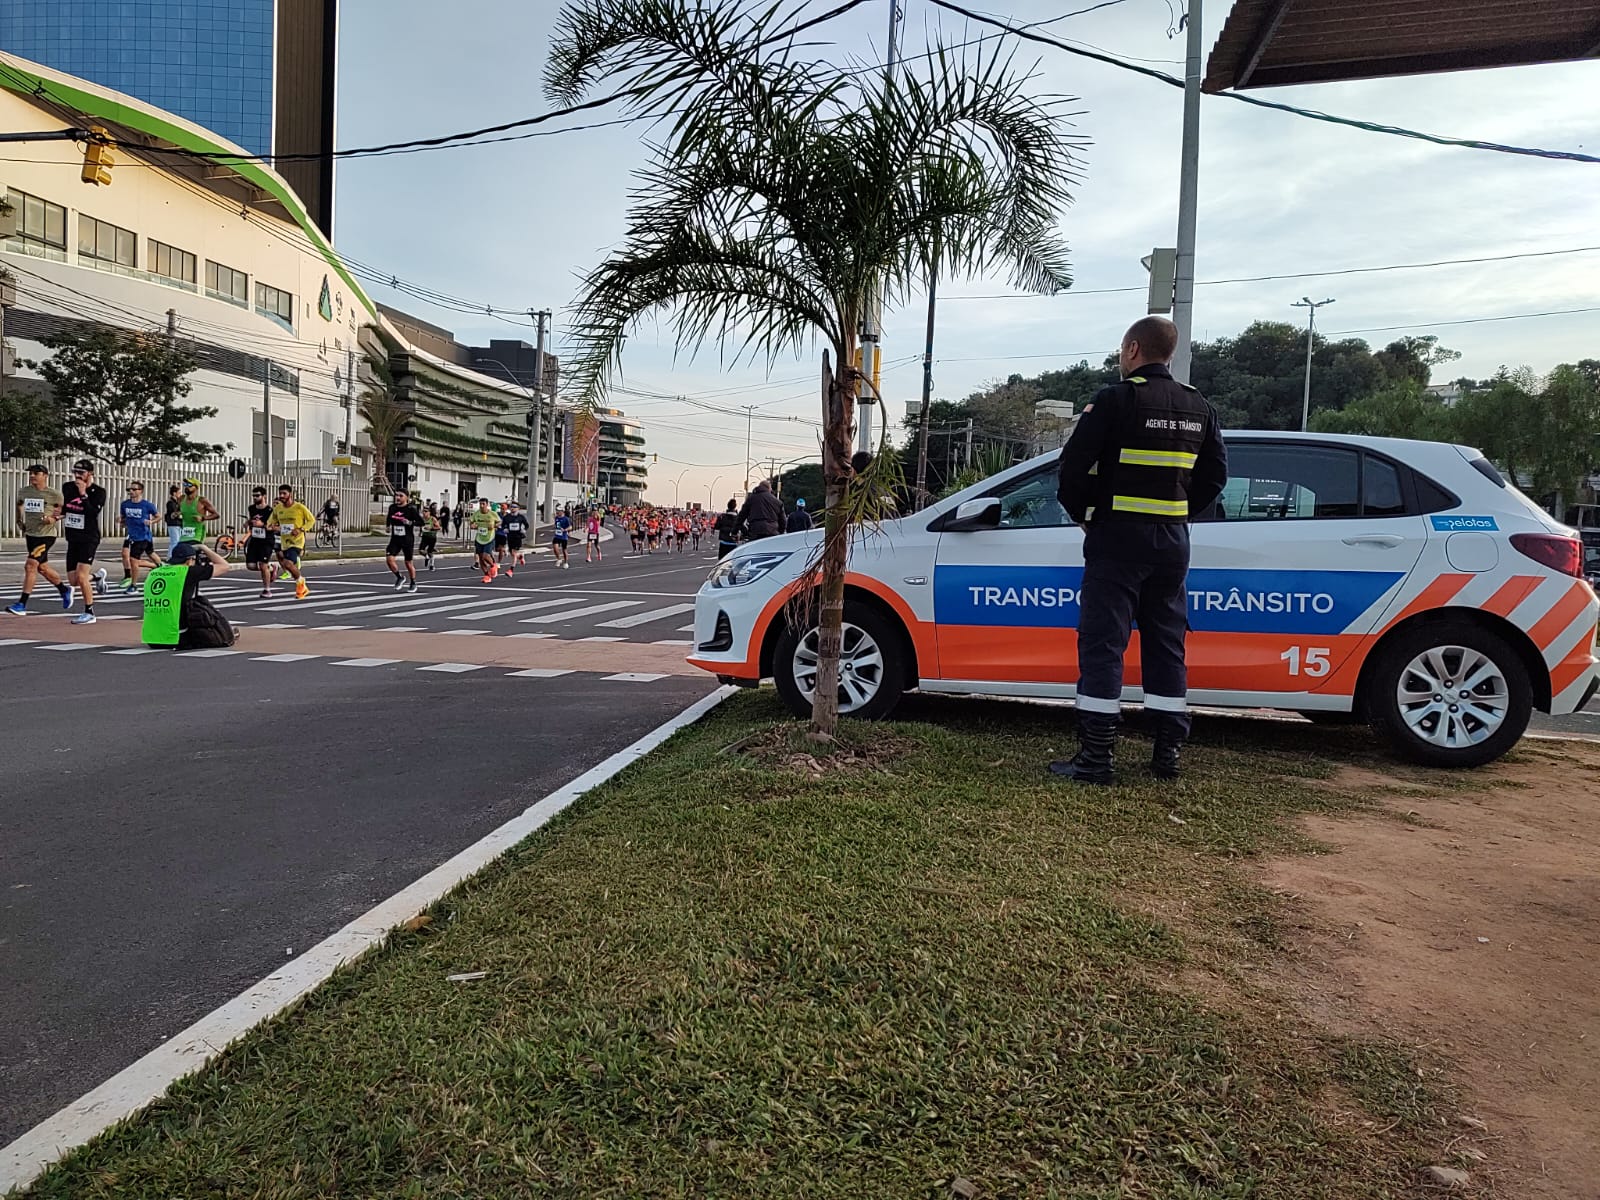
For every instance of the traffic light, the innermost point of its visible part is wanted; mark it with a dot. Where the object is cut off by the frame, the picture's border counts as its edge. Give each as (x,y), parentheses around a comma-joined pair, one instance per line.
(98,158)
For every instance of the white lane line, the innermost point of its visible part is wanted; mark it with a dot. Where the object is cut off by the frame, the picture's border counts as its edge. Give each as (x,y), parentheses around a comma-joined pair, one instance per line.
(366,607)
(366,662)
(538,673)
(119,617)
(23,641)
(439,605)
(135,1086)
(570,613)
(534,636)
(73,646)
(655,614)
(280,626)
(218,653)
(335,627)
(603,639)
(286,658)
(462,632)
(685,642)
(516,608)
(402,629)
(632,677)
(453,668)
(274,604)
(136,650)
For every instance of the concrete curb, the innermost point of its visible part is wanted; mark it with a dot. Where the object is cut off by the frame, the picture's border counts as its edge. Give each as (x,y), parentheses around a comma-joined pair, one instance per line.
(146,1080)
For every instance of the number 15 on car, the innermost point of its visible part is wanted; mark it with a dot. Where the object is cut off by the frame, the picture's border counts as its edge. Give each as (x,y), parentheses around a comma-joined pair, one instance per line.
(1307,660)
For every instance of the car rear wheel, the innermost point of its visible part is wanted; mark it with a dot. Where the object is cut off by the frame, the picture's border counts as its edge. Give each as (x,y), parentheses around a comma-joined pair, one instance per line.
(871,666)
(1450,694)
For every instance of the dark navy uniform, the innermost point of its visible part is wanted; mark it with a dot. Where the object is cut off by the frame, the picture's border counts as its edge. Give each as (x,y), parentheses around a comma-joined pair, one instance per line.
(1146,456)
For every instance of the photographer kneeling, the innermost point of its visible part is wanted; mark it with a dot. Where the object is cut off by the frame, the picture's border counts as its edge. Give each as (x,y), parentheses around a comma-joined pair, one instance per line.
(176,615)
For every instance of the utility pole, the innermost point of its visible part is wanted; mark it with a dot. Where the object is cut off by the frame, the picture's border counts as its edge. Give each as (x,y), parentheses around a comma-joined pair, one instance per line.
(535,417)
(927,381)
(749,417)
(172,325)
(969,443)
(870,400)
(349,399)
(550,462)
(1311,307)
(1188,197)
(266,413)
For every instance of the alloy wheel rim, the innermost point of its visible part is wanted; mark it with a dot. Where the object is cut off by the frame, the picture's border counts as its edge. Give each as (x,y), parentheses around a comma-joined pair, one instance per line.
(861,667)
(1453,697)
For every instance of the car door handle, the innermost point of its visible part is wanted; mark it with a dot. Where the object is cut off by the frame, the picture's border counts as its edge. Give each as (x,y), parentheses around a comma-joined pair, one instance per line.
(1374,539)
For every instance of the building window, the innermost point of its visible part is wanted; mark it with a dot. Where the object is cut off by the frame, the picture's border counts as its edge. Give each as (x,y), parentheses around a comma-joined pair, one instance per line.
(106,246)
(224,283)
(41,227)
(171,265)
(270,302)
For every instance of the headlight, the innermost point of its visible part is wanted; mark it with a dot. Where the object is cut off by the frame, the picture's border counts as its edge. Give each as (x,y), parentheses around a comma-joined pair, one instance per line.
(738,571)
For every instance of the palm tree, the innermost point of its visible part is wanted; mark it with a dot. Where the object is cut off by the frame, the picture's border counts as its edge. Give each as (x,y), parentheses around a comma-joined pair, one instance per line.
(385,416)
(788,195)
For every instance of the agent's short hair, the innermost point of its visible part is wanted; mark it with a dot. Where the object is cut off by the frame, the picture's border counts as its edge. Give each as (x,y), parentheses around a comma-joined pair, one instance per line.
(1157,338)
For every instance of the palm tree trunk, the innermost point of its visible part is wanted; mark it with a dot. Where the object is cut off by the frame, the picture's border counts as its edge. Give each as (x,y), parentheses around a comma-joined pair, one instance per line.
(838,429)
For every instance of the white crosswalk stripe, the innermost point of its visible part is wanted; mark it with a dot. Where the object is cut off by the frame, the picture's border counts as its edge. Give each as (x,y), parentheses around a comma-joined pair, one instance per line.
(367,606)
(285,658)
(366,662)
(655,614)
(569,614)
(455,605)
(516,608)
(453,668)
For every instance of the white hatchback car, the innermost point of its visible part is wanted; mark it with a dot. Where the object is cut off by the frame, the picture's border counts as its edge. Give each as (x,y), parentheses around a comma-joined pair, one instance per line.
(1405,582)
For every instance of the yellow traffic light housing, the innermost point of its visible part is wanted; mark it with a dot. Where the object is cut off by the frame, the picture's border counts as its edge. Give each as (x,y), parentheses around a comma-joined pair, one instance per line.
(98,158)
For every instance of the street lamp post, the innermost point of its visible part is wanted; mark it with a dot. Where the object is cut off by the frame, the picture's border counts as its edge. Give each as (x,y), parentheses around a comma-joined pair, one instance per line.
(675,484)
(1311,307)
(710,492)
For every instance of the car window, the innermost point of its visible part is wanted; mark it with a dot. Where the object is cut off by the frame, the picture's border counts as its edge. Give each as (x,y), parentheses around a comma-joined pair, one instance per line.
(1381,493)
(1276,482)
(1029,501)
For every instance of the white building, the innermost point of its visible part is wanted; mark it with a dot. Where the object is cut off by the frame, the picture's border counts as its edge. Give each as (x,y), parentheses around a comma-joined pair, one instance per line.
(219,253)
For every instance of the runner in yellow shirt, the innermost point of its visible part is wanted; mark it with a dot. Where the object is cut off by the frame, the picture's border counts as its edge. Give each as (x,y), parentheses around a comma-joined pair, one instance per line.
(292,521)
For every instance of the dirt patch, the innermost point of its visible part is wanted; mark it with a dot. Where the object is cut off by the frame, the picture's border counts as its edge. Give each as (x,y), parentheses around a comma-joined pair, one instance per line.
(1472,932)
(787,747)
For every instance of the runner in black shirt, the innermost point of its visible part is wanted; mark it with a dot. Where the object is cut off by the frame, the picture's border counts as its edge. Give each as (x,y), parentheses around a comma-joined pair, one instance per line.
(403,519)
(261,539)
(82,501)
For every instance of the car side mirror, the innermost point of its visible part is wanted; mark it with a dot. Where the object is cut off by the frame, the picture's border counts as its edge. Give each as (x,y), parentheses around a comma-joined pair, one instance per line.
(972,515)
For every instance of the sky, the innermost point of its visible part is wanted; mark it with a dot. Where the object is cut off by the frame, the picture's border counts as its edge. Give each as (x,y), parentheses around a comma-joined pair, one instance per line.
(515,225)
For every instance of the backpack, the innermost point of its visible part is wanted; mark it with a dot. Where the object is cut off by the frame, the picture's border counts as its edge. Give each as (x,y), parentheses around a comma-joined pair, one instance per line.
(204,627)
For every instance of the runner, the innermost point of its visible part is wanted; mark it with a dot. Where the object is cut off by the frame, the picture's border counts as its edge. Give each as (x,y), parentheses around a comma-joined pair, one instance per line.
(652,533)
(139,545)
(680,531)
(636,535)
(558,540)
(195,510)
(174,518)
(728,530)
(260,539)
(402,520)
(430,536)
(515,525)
(697,529)
(591,543)
(82,502)
(484,523)
(501,537)
(38,512)
(293,521)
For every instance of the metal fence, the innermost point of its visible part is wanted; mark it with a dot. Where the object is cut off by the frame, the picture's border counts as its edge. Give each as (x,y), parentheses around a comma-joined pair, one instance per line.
(230,497)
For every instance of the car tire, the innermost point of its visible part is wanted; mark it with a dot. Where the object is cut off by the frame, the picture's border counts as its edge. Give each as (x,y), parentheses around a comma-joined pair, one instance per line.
(1426,718)
(871,644)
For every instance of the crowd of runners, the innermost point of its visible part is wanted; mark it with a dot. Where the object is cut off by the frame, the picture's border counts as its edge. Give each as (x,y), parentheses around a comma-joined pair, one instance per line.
(276,529)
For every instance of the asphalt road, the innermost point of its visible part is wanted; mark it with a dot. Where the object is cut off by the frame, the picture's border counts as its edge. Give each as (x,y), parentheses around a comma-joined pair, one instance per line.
(173,829)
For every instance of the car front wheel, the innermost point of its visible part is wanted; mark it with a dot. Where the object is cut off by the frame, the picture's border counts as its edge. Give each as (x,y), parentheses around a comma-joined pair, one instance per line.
(1450,694)
(871,666)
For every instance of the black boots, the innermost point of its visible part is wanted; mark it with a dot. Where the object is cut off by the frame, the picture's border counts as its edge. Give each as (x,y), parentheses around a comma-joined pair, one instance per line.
(1172,730)
(1095,759)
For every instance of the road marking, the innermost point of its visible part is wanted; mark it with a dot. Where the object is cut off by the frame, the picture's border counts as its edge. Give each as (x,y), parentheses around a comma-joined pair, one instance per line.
(535,636)
(286,658)
(401,629)
(136,650)
(119,617)
(685,642)
(73,646)
(280,626)
(453,606)
(135,1086)
(274,605)
(632,677)
(453,668)
(538,673)
(366,662)
(365,607)
(336,627)
(686,629)
(644,618)
(516,608)
(603,639)
(216,653)
(31,641)
(569,613)
(462,632)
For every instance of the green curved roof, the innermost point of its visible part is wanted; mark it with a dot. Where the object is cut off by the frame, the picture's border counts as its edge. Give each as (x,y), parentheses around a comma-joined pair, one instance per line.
(92,101)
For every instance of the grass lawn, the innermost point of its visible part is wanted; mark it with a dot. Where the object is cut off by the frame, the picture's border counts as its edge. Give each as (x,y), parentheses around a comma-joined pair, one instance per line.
(928,970)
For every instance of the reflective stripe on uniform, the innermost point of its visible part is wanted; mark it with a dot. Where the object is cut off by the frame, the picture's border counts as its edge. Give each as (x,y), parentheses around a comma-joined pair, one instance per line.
(1159,458)
(1149,507)
(1167,704)
(1093,704)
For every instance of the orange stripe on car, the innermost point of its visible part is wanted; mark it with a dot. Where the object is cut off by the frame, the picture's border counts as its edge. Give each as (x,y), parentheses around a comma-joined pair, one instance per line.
(1566,674)
(1561,616)
(1512,593)
(1436,595)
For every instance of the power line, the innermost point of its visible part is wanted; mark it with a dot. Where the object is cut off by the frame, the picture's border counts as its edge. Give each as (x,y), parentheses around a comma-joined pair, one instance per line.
(1242,98)
(1560,312)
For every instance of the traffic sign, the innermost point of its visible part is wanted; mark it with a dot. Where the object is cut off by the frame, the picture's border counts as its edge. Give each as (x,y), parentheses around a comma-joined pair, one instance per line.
(236,468)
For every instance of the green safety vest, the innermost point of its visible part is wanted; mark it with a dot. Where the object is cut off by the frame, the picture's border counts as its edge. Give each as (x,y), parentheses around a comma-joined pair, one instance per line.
(163,605)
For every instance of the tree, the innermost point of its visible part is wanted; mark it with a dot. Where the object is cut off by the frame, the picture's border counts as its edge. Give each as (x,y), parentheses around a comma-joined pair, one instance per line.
(786,196)
(29,426)
(1542,433)
(116,396)
(803,482)
(385,416)
(1404,410)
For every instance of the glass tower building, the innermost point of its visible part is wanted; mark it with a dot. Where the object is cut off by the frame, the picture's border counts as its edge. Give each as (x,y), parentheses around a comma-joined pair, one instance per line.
(257,72)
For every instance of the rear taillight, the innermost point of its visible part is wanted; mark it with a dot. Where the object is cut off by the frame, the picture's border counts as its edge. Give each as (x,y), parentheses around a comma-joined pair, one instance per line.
(1559,553)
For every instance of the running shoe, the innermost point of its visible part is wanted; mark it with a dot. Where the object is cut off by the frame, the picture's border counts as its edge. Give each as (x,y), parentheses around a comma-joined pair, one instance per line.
(488,578)
(266,594)
(399,583)
(100,581)
(69,596)
(493,570)
(411,585)
(301,591)
(510,571)
(127,587)
(84,619)
(19,609)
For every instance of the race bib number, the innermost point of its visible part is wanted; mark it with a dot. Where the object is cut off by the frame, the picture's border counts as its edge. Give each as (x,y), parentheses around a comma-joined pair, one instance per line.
(193,533)
(74,520)
(399,531)
(258,531)
(288,530)
(33,504)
